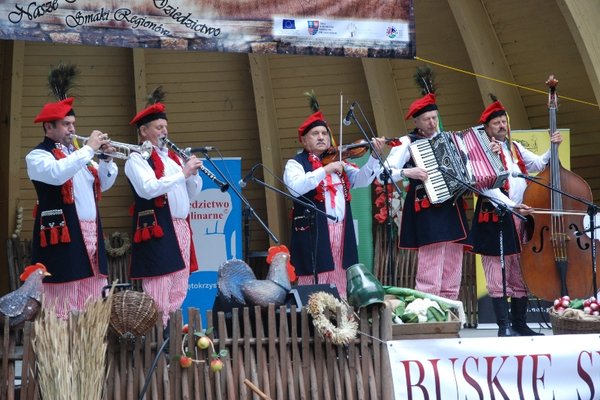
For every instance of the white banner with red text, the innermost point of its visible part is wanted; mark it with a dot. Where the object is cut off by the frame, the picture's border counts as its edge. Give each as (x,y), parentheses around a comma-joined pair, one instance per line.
(561,367)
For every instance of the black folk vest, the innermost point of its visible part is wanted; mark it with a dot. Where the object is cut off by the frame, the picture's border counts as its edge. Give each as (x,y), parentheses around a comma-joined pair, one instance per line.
(66,261)
(301,234)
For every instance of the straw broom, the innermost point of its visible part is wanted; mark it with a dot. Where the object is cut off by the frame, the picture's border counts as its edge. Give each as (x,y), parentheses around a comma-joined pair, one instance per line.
(71,355)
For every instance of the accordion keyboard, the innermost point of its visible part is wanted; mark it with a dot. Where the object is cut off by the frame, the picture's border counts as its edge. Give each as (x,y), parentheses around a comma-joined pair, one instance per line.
(435,185)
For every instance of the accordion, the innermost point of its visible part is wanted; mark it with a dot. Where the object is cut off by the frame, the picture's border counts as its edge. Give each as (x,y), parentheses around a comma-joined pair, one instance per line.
(486,166)
(466,157)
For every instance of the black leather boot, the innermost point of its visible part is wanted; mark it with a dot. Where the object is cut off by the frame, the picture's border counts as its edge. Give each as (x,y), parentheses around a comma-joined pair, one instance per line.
(501,310)
(518,310)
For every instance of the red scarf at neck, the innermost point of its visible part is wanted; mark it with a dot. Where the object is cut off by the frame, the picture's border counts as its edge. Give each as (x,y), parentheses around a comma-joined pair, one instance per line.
(515,154)
(66,189)
(316,163)
(159,171)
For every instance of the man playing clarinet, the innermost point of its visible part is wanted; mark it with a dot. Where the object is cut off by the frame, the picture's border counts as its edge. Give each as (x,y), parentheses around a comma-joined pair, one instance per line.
(162,251)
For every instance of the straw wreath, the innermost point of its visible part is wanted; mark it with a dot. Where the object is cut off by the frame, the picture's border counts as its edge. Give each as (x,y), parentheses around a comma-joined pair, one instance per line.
(322,303)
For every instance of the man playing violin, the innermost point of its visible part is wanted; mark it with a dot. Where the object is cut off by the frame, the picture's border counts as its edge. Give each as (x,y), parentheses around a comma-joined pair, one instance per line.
(328,186)
(439,231)
(68,237)
(162,253)
(486,223)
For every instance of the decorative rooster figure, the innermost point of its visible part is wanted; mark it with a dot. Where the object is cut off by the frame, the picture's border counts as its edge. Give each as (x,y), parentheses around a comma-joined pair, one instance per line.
(238,285)
(24,303)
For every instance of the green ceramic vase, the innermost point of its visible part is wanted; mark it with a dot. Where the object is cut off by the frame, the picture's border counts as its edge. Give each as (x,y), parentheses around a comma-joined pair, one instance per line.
(362,288)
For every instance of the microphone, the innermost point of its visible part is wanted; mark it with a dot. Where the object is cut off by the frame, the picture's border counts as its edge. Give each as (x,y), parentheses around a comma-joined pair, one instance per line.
(347,120)
(244,181)
(520,175)
(199,149)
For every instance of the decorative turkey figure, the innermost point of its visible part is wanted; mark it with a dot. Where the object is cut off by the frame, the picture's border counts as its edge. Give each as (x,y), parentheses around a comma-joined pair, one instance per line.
(24,303)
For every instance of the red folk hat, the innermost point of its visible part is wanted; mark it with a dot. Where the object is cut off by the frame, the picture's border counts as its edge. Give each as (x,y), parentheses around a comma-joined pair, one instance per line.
(422,105)
(492,111)
(55,111)
(315,119)
(148,114)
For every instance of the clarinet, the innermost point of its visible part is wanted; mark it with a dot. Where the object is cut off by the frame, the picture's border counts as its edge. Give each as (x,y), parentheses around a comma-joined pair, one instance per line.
(185,155)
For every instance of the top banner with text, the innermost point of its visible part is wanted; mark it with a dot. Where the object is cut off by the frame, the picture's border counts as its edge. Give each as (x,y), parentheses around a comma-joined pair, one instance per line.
(365,28)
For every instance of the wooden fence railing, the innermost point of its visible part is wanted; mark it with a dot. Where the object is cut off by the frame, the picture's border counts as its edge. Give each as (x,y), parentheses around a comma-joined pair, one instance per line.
(274,349)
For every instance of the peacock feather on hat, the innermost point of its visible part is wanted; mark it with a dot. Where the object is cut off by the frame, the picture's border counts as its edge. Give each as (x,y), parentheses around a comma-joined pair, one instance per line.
(316,118)
(425,79)
(61,80)
(312,100)
(158,95)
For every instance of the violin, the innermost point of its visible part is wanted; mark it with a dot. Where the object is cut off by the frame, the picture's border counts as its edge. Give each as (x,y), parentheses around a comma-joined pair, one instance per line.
(355,149)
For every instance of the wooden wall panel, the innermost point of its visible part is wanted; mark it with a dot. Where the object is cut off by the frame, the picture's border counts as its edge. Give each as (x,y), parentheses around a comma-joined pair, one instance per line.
(103,100)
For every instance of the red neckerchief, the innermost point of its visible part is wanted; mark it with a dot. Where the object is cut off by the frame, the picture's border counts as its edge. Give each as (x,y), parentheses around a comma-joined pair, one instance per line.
(66,189)
(394,142)
(316,163)
(159,171)
(515,154)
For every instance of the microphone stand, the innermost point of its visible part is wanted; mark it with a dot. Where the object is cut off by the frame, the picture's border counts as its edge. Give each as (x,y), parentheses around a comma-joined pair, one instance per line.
(310,212)
(592,210)
(250,210)
(246,218)
(501,209)
(385,175)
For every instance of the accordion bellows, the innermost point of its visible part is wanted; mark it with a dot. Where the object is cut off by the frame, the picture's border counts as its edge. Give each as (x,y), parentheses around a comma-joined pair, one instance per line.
(465,155)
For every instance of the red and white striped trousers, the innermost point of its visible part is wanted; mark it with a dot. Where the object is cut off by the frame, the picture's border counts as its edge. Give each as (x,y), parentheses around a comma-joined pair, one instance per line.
(169,291)
(338,275)
(492,267)
(439,269)
(72,296)
(515,287)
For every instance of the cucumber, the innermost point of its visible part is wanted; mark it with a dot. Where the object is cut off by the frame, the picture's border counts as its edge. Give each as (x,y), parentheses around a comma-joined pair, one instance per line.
(409,318)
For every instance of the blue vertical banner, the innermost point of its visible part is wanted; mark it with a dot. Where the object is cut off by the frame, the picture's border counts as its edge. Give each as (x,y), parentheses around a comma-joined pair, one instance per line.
(216,220)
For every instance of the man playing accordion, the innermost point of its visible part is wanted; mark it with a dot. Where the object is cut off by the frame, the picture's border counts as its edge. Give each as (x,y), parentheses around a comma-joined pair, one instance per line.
(438,231)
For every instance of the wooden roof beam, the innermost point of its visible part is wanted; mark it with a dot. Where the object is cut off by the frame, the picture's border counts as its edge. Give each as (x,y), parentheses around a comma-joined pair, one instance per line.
(266,116)
(487,58)
(582,19)
(384,97)
(139,76)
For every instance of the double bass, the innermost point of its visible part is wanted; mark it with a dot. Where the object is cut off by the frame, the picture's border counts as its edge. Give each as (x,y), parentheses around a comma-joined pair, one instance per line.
(557,259)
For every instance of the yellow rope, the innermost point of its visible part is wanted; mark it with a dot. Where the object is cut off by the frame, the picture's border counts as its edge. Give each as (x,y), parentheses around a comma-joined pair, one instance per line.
(501,81)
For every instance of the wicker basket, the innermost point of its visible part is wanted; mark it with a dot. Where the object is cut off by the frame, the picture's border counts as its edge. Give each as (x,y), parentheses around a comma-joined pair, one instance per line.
(564,325)
(133,313)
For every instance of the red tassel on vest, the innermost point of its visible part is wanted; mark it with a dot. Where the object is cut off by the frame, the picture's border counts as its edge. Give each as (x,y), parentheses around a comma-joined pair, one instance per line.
(65,236)
(54,235)
(43,242)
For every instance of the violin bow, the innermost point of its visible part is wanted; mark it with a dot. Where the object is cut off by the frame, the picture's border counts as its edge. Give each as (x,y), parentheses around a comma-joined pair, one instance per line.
(341,123)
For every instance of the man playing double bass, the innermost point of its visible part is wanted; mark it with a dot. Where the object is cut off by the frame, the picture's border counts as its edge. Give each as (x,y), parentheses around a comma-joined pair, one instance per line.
(486,223)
